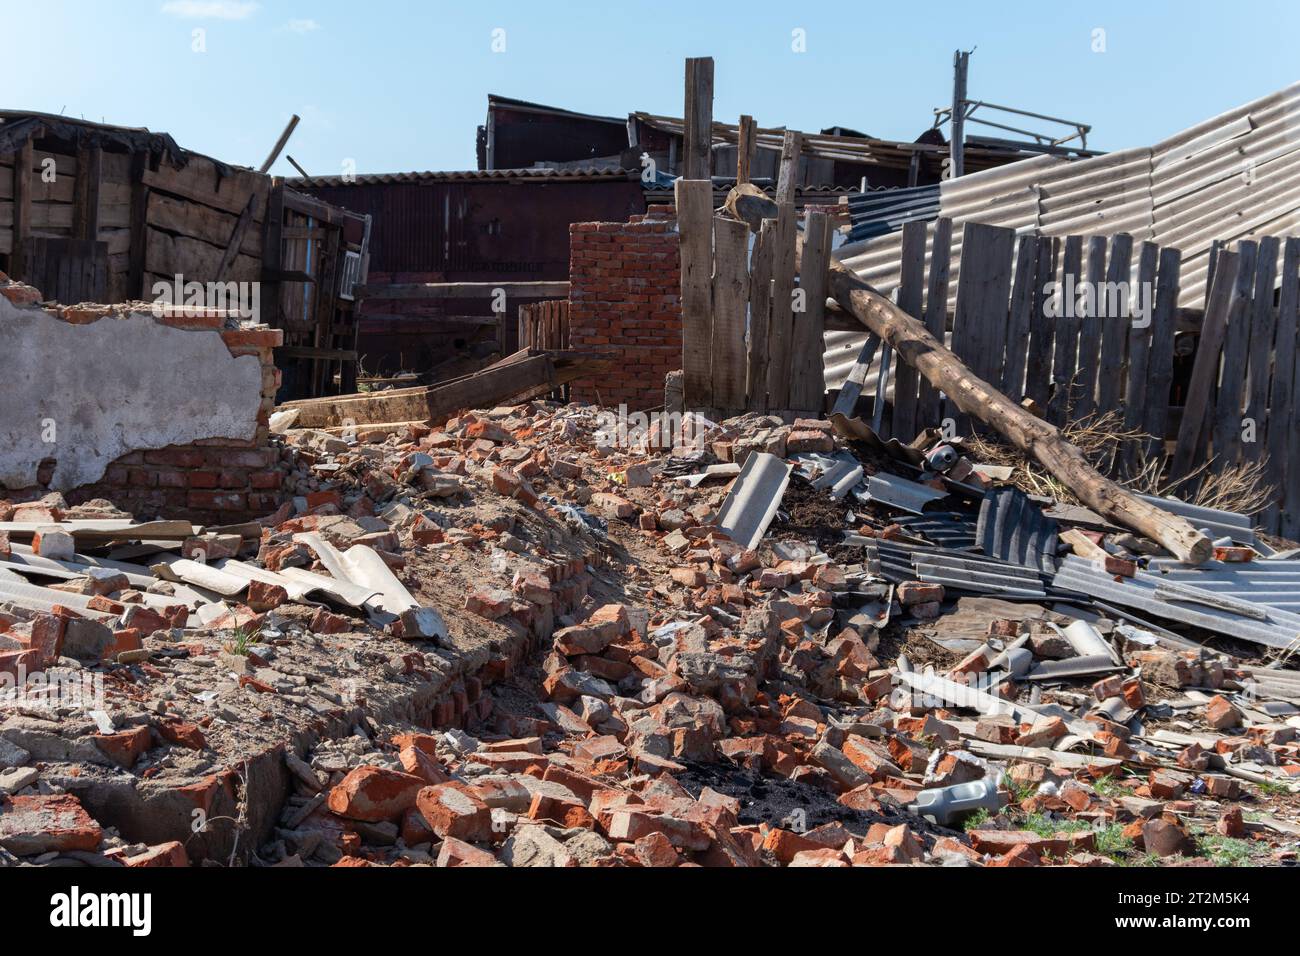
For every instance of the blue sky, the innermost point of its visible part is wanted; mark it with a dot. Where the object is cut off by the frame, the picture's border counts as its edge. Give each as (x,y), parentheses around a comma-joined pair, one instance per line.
(401,85)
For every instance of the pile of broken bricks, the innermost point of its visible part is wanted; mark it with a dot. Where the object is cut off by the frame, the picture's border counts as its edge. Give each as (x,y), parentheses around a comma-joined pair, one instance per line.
(583,657)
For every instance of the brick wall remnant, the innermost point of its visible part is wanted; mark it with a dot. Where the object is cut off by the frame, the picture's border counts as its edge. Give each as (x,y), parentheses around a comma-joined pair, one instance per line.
(163,413)
(625,295)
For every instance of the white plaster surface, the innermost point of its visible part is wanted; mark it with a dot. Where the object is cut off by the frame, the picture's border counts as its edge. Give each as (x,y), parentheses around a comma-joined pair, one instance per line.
(113,386)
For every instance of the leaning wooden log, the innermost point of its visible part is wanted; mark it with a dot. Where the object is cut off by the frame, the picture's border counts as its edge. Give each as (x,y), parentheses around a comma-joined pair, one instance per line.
(522,376)
(977,398)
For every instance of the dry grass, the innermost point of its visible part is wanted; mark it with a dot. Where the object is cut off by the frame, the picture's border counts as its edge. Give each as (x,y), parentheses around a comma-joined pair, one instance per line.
(1107,445)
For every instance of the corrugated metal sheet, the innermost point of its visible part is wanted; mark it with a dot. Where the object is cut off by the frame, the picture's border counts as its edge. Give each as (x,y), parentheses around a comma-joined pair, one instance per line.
(1012,528)
(1234,176)
(1275,584)
(879,212)
(1279,628)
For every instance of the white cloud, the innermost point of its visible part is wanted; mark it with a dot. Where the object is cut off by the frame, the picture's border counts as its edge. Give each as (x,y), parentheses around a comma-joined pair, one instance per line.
(210,9)
(302,26)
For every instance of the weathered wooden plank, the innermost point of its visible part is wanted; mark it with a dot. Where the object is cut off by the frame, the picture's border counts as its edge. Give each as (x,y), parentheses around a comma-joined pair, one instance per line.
(1038,359)
(730,304)
(90,159)
(1066,352)
(1226,421)
(1019,320)
(201,181)
(1116,321)
(698,124)
(195,261)
(1090,329)
(760,315)
(695,223)
(745,149)
(200,222)
(1263,325)
(808,381)
(781,330)
(1225,294)
(22,224)
(1139,348)
(851,390)
(139,234)
(983,293)
(788,180)
(1283,516)
(911,289)
(936,314)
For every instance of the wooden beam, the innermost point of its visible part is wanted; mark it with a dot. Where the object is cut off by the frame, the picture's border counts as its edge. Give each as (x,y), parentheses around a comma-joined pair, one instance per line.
(698,125)
(242,225)
(468,290)
(280,143)
(695,224)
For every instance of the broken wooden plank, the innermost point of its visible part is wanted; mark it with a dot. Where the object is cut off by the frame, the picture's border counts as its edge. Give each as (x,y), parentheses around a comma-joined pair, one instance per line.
(695,224)
(745,149)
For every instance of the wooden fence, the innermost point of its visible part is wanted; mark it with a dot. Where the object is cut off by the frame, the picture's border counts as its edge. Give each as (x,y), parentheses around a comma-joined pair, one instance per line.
(1084,326)
(752,328)
(545,325)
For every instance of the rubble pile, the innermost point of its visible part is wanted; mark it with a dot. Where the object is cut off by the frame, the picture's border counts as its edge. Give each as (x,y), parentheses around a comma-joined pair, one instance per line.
(520,639)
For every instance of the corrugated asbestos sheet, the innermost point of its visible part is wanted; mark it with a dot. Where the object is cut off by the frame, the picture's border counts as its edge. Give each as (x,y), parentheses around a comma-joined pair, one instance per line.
(1235,176)
(1220,524)
(1275,584)
(1198,606)
(1012,528)
(900,561)
(882,211)
(948,530)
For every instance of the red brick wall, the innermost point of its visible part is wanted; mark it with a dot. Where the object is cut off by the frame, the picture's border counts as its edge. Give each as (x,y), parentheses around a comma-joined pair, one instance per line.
(625,294)
(211,481)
